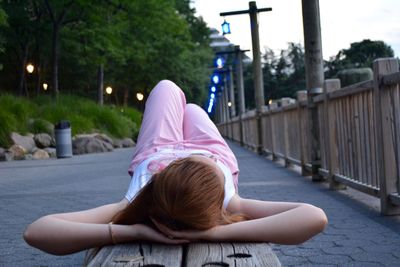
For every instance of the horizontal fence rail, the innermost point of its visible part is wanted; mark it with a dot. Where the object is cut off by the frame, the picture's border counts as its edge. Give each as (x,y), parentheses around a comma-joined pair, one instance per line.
(359,131)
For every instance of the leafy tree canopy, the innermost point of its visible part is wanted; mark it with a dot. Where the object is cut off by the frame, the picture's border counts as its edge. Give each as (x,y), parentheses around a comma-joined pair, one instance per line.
(359,55)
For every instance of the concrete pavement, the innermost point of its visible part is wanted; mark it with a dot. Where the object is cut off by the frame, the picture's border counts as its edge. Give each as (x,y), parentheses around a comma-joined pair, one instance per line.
(356,236)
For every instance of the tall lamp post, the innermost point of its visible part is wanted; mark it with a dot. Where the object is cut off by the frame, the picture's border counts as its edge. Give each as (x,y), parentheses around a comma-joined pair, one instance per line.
(258,78)
(314,77)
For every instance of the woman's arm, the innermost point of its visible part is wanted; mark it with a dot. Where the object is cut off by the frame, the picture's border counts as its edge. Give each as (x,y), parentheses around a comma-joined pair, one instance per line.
(276,222)
(67,233)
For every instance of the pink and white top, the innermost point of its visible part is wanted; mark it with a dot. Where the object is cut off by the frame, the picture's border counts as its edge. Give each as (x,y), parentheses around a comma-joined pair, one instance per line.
(161,159)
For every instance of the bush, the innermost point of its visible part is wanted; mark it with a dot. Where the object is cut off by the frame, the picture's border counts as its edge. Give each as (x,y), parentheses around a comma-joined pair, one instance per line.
(39,115)
(20,108)
(8,124)
(40,126)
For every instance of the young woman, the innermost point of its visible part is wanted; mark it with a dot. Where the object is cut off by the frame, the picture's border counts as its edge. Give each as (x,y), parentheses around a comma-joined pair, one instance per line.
(183,189)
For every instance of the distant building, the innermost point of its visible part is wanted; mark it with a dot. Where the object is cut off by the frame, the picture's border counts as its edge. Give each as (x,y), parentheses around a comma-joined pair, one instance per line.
(220,43)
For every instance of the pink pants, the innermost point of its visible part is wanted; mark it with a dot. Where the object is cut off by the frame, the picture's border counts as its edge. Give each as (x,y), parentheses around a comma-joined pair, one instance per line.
(169,121)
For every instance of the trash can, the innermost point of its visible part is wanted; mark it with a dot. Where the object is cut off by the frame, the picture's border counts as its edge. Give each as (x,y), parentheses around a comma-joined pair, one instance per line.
(62,131)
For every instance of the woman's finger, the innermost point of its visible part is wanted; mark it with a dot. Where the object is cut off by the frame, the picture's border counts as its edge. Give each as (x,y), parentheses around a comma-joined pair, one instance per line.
(164,229)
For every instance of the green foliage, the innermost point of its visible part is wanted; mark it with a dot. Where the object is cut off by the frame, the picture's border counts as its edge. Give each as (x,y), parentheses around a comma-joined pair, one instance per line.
(284,75)
(39,125)
(352,76)
(39,115)
(137,42)
(8,123)
(20,109)
(359,55)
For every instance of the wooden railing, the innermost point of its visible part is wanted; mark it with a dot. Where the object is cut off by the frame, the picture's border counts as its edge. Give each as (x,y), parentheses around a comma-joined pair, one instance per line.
(359,130)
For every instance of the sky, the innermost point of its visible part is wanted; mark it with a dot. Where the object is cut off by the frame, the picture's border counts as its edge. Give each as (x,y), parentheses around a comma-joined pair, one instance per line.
(342,22)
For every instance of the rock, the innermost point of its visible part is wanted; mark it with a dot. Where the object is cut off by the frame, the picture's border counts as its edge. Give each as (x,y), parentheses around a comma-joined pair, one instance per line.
(41,126)
(5,155)
(17,151)
(40,154)
(43,140)
(87,144)
(26,142)
(118,143)
(128,142)
(28,157)
(104,138)
(51,151)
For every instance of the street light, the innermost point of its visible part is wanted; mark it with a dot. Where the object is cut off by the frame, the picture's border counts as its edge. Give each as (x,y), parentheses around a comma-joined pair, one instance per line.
(219,62)
(30,68)
(226,28)
(215,78)
(229,104)
(139,96)
(109,90)
(45,85)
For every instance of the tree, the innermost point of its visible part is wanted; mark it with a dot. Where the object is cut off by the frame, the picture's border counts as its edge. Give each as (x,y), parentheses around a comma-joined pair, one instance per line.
(284,75)
(359,55)
(3,24)
(20,36)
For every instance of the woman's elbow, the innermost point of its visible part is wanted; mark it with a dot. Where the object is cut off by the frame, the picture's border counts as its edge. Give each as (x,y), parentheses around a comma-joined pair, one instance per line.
(35,236)
(318,218)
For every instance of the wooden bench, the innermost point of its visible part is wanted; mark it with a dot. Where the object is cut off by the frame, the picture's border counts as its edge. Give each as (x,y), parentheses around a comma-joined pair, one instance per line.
(191,255)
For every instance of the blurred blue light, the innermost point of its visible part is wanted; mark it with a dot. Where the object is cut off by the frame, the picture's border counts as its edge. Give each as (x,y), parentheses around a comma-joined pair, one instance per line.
(219,62)
(226,28)
(215,78)
(213,89)
(212,95)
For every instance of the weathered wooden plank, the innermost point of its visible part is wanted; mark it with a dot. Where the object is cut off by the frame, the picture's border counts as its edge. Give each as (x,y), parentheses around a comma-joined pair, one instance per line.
(353,89)
(230,254)
(391,79)
(138,254)
(357,185)
(372,132)
(360,139)
(396,118)
(383,116)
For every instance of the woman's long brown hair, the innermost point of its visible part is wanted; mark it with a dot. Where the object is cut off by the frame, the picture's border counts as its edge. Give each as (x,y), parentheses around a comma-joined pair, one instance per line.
(187,194)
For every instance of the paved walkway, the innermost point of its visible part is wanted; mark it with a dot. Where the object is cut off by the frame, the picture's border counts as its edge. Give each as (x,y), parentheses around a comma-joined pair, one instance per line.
(356,235)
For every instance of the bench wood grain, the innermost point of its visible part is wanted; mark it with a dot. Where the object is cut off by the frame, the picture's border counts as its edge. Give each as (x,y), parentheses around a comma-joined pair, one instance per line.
(193,255)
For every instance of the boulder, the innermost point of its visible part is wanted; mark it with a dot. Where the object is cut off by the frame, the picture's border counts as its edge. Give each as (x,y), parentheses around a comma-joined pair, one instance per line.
(104,138)
(5,155)
(43,140)
(18,152)
(128,142)
(28,157)
(41,126)
(118,143)
(87,144)
(26,142)
(40,154)
(51,151)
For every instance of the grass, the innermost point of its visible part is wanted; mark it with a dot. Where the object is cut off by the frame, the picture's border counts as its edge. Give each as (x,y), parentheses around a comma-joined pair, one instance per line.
(39,114)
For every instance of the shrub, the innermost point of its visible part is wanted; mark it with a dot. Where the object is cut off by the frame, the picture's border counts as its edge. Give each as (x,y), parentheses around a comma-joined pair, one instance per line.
(39,115)
(40,126)
(21,108)
(8,124)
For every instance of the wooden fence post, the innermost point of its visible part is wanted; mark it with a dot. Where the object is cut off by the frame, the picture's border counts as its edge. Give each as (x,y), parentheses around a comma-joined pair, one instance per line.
(384,125)
(387,169)
(284,102)
(332,160)
(314,77)
(302,97)
(272,106)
